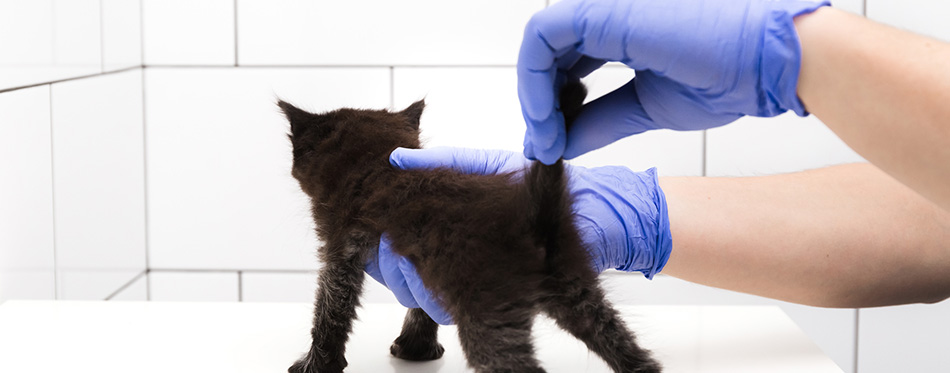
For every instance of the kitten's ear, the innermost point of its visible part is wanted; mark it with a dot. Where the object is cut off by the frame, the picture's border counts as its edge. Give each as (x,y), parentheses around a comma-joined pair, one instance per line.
(414,112)
(296,116)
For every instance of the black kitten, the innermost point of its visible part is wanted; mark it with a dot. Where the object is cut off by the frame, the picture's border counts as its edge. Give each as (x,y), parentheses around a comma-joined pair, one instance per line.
(495,249)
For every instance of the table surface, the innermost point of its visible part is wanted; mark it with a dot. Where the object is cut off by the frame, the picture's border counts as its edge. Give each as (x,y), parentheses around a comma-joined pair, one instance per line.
(59,336)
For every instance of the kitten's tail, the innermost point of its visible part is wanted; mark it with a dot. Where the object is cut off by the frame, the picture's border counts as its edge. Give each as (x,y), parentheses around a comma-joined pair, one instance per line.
(548,186)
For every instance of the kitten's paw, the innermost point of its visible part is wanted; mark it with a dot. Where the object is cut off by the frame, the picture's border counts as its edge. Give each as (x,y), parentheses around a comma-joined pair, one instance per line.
(306,365)
(415,350)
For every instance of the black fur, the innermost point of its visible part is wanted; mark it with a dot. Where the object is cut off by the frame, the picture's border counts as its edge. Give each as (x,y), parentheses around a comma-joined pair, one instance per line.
(495,249)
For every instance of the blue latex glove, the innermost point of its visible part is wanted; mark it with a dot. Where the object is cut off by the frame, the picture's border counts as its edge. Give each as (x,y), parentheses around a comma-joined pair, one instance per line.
(621,215)
(699,64)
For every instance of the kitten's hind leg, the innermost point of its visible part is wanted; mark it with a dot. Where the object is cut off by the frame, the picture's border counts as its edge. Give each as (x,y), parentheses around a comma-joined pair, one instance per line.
(499,342)
(579,307)
(419,338)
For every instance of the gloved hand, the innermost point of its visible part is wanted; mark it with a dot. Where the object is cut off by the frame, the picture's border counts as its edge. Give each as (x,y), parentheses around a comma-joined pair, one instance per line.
(699,64)
(621,215)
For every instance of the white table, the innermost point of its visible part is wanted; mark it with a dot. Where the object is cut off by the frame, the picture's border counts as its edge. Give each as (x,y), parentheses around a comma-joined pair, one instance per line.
(104,337)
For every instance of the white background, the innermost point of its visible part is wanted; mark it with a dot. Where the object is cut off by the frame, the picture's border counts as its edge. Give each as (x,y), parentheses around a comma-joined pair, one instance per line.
(142,156)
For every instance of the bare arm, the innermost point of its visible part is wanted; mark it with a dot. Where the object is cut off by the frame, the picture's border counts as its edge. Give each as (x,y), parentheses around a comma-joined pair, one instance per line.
(843,236)
(885,92)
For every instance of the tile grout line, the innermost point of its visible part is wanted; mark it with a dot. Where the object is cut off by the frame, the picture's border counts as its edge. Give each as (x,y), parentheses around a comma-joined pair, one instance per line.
(102,42)
(235,33)
(704,153)
(392,88)
(126,285)
(51,82)
(145,172)
(53,195)
(857,328)
(142,32)
(240,286)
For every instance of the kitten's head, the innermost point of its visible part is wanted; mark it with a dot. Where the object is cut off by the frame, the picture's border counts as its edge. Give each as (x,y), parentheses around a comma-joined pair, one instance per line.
(330,146)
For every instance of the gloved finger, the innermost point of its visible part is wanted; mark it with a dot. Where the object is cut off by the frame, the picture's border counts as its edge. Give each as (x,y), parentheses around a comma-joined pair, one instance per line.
(547,35)
(609,118)
(547,32)
(423,296)
(470,161)
(536,94)
(549,155)
(393,277)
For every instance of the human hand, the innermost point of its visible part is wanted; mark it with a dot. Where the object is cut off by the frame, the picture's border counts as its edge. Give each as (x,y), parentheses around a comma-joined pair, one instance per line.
(621,216)
(398,274)
(699,64)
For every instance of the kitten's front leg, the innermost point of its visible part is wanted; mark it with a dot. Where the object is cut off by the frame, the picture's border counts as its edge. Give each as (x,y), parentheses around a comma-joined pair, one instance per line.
(339,286)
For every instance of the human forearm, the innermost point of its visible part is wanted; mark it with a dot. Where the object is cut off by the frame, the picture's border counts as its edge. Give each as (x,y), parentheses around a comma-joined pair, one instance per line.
(884,92)
(844,236)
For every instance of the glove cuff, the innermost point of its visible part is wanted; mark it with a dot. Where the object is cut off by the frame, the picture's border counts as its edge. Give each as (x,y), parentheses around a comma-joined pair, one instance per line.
(646,224)
(781,57)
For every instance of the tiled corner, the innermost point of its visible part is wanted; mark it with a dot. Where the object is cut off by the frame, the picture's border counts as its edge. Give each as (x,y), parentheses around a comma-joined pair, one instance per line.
(219,185)
(926,17)
(910,338)
(26,194)
(99,183)
(121,34)
(761,146)
(380,32)
(183,32)
(44,41)
(193,286)
(137,290)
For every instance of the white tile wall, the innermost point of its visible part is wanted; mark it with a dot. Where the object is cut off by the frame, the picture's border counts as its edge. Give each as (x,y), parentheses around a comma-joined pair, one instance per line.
(184,32)
(910,338)
(26,196)
(467,107)
(76,33)
(98,174)
(193,286)
(832,330)
(299,287)
(926,17)
(121,34)
(381,32)
(787,143)
(220,191)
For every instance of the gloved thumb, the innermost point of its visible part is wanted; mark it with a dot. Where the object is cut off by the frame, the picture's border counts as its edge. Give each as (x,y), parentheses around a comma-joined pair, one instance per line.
(609,118)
